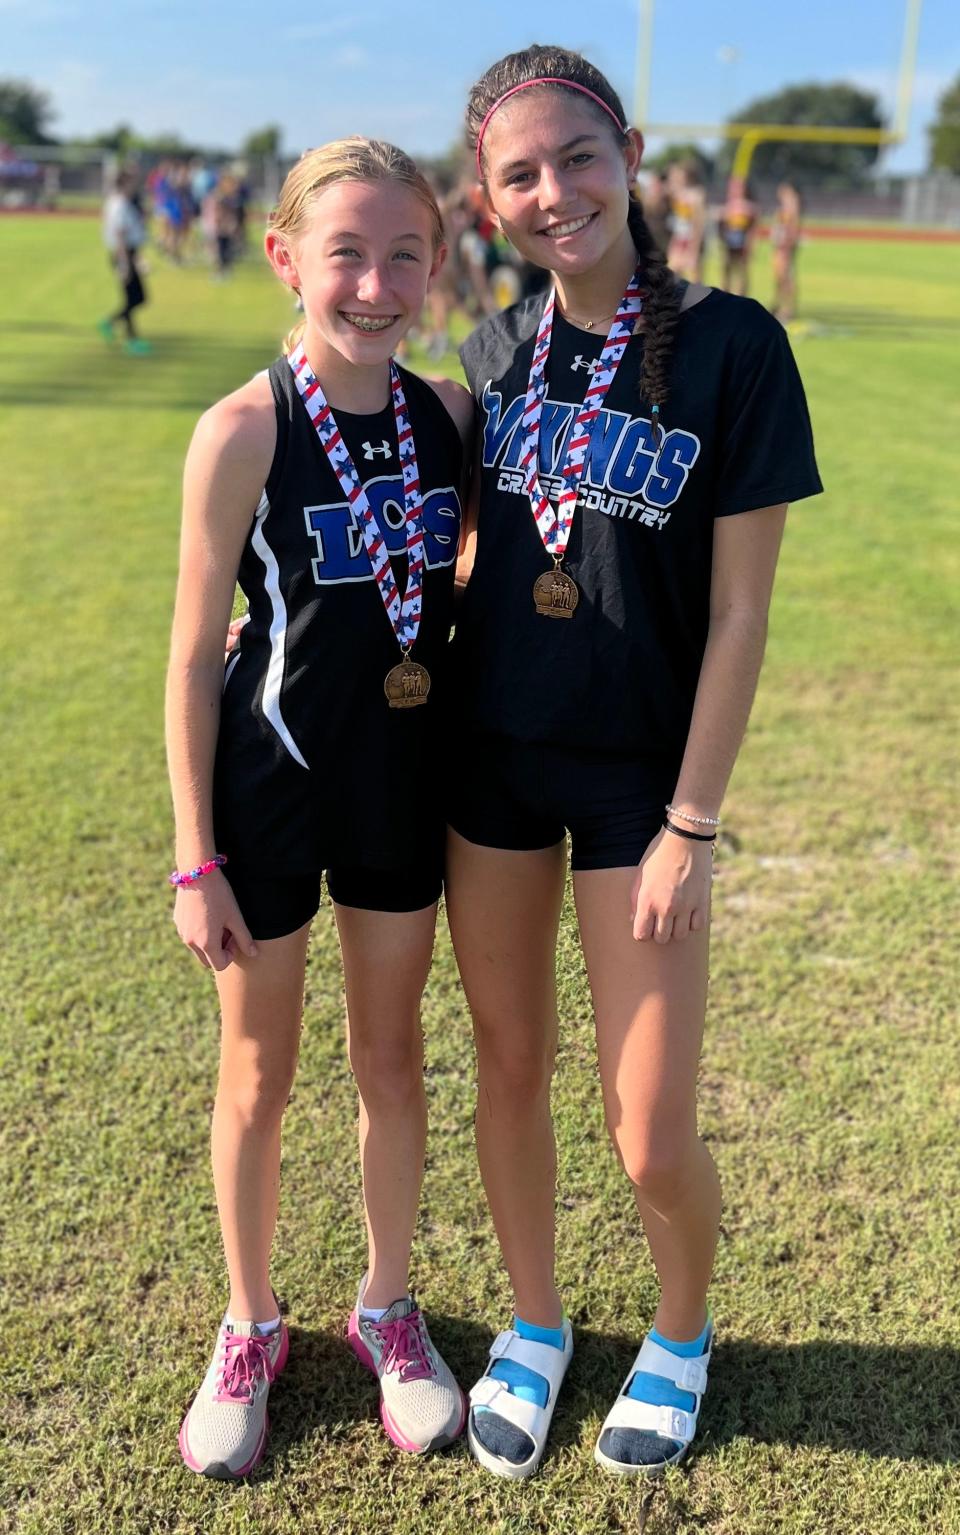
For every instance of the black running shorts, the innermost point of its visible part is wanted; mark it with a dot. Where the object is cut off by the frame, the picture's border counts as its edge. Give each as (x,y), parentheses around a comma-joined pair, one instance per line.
(273,907)
(508,794)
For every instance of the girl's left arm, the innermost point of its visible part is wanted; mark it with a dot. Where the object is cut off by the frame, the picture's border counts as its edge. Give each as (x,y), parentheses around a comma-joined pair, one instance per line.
(745,550)
(672,890)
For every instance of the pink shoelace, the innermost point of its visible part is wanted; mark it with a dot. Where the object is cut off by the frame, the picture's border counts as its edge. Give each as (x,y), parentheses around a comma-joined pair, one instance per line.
(405,1348)
(244,1360)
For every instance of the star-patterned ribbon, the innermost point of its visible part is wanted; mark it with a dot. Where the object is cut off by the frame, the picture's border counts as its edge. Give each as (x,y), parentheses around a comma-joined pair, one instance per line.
(554,526)
(403,613)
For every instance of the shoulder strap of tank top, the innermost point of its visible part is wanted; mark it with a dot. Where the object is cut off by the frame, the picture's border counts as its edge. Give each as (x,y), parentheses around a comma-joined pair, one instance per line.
(284,395)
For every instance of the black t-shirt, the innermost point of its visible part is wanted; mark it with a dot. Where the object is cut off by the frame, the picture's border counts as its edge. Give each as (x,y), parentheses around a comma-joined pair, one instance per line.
(620,675)
(313,767)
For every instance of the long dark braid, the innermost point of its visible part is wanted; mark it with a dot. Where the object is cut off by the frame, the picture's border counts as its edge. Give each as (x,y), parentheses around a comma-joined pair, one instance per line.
(661,308)
(662,301)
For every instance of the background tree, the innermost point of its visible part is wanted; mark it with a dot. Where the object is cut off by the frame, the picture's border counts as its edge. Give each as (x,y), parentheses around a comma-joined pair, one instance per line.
(167,143)
(945,131)
(25,113)
(129,144)
(833,166)
(264,141)
(122,139)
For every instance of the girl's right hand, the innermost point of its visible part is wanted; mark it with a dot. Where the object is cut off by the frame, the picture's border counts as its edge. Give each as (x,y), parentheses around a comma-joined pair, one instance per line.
(233,635)
(207,917)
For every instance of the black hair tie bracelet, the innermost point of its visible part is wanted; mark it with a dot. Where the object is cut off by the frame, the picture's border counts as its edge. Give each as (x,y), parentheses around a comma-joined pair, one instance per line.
(689,836)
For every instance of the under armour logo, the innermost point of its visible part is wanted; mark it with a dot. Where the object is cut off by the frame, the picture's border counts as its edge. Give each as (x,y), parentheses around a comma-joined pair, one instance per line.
(369,451)
(580,362)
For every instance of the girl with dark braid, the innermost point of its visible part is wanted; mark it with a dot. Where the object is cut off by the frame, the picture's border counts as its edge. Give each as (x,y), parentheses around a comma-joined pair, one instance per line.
(640,439)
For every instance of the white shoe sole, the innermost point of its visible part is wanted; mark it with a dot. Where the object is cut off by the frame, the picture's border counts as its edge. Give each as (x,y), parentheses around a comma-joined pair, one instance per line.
(514,1472)
(622,1468)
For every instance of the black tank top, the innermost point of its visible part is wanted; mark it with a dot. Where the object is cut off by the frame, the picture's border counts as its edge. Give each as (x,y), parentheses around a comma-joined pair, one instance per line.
(313,767)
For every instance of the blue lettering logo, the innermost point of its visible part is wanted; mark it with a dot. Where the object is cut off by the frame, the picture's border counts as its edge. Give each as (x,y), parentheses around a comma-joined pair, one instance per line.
(624,456)
(340,552)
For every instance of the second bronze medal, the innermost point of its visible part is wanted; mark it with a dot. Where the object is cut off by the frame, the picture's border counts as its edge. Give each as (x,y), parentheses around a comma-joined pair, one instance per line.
(407,684)
(555,594)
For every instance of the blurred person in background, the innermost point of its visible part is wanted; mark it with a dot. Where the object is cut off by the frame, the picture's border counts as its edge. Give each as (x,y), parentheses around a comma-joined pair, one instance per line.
(161,184)
(475,249)
(656,208)
(445,296)
(222,220)
(203,179)
(124,234)
(169,186)
(687,220)
(241,195)
(736,226)
(155,188)
(785,237)
(208,222)
(138,193)
(180,211)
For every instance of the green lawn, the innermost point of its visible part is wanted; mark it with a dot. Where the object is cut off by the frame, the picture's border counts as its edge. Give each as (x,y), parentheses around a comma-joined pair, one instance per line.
(830,1077)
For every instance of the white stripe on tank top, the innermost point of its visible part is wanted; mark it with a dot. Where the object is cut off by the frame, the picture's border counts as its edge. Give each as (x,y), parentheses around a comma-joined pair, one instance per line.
(273,682)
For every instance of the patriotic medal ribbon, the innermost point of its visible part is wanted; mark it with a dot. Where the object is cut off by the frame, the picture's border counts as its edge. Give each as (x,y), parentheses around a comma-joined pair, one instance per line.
(408,683)
(555,594)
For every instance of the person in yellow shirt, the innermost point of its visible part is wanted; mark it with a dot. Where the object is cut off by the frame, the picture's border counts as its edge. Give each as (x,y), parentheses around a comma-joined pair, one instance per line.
(738,220)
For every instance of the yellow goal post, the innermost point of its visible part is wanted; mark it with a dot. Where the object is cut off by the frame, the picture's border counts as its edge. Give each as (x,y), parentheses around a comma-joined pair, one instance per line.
(750,135)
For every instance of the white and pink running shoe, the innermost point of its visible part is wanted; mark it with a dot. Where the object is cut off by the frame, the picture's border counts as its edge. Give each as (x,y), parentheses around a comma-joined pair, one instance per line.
(421,1405)
(225,1430)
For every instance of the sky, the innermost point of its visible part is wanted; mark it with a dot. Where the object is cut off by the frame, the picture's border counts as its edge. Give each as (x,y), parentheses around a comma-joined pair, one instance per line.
(400,69)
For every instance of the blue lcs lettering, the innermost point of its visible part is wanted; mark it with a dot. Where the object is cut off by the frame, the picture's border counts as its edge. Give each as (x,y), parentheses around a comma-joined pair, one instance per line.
(340,553)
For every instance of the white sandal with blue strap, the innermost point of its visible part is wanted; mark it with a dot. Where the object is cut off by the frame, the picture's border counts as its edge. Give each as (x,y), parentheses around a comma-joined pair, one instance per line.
(549,1363)
(673,1425)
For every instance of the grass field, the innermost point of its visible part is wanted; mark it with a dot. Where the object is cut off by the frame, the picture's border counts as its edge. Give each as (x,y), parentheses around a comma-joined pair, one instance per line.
(831,1067)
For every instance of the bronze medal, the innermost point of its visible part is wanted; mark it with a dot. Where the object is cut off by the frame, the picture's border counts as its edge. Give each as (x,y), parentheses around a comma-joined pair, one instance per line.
(407,685)
(555,594)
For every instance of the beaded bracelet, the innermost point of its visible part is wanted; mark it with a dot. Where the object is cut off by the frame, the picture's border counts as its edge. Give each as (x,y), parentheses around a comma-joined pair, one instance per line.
(192,875)
(695,820)
(689,836)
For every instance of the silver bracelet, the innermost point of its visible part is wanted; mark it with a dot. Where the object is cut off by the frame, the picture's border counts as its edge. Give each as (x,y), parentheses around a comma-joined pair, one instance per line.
(695,820)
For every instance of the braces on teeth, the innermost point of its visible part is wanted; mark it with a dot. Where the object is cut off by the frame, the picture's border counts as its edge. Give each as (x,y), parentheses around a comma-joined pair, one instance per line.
(361,324)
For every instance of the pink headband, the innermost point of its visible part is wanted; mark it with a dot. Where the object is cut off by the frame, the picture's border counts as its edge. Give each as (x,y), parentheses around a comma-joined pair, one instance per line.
(542,80)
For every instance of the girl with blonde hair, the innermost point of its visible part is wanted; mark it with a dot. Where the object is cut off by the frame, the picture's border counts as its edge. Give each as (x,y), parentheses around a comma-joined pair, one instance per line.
(330,487)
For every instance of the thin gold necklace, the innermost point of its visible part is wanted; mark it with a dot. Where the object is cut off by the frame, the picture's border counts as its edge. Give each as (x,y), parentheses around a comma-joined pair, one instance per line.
(589,324)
